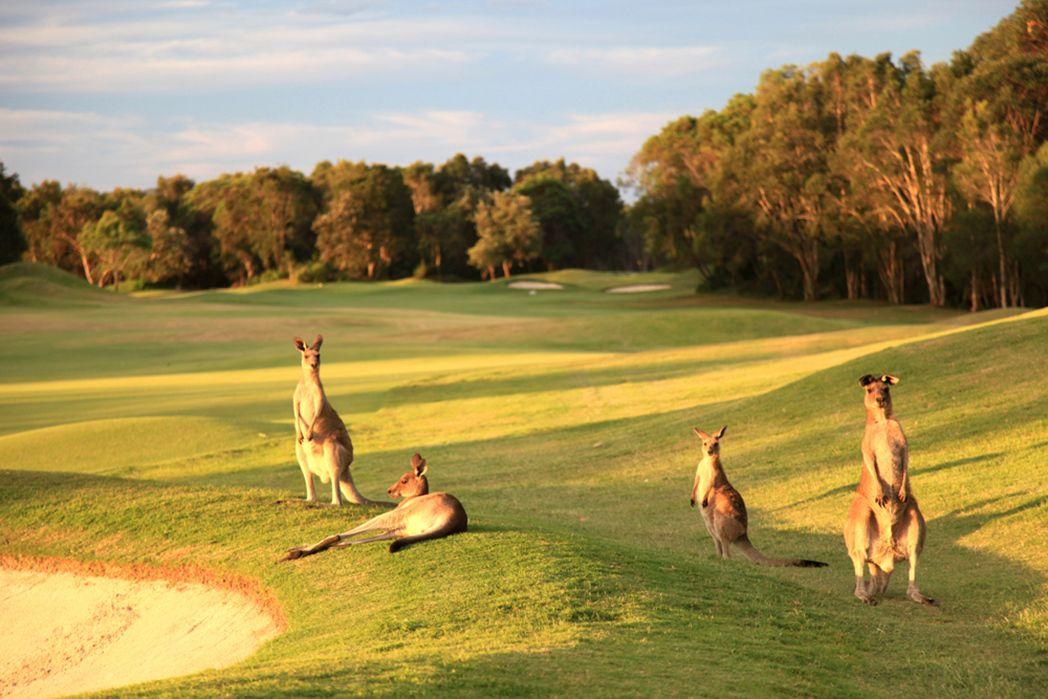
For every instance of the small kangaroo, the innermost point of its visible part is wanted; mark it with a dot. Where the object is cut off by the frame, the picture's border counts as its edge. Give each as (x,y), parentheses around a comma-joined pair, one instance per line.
(884,524)
(421,515)
(322,443)
(723,510)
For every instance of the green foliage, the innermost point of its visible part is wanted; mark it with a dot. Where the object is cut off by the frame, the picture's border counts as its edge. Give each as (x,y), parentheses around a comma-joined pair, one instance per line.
(12,242)
(366,228)
(858,165)
(507,233)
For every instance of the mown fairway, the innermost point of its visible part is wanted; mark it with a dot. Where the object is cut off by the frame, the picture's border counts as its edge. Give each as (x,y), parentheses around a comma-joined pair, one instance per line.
(157,430)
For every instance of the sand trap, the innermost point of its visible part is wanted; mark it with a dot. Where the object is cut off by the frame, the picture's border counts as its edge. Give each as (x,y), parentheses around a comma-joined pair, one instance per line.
(535,286)
(67,634)
(638,288)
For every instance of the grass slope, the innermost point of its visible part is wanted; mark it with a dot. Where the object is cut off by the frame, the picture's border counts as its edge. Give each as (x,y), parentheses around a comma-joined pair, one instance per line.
(157,431)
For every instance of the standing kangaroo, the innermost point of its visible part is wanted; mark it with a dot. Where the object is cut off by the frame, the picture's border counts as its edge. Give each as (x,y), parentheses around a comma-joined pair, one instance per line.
(723,510)
(884,522)
(420,515)
(322,444)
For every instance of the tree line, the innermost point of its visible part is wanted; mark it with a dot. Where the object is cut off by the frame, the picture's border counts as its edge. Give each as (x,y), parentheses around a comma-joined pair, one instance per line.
(866,178)
(852,177)
(346,220)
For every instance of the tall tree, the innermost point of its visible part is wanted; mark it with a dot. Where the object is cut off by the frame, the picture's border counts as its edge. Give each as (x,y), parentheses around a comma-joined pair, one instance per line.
(12,242)
(782,160)
(367,227)
(896,148)
(508,233)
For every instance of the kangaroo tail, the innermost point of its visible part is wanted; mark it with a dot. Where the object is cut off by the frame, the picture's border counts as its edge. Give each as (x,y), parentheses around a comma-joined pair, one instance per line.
(350,492)
(750,551)
(409,540)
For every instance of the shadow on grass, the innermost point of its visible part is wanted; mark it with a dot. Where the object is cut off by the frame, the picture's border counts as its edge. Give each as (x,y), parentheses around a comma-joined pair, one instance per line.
(794,631)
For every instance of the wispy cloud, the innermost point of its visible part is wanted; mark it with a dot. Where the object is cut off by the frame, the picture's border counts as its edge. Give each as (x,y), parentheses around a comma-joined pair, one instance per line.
(112,151)
(647,61)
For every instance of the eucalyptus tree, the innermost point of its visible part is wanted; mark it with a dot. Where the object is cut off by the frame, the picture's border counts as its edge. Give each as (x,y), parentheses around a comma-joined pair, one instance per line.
(508,233)
(367,224)
(12,242)
(897,148)
(782,162)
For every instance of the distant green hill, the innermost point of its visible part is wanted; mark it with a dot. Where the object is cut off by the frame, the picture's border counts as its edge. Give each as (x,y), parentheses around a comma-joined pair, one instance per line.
(35,284)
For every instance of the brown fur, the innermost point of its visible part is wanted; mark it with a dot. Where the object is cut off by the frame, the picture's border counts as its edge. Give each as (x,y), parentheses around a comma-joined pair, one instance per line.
(322,444)
(884,524)
(421,515)
(723,509)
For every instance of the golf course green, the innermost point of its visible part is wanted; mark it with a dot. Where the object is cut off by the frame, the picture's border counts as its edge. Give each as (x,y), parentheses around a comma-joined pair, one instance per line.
(155,430)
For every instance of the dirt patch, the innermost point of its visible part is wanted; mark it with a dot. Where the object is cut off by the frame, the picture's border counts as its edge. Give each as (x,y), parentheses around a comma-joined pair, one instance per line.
(70,632)
(535,286)
(637,288)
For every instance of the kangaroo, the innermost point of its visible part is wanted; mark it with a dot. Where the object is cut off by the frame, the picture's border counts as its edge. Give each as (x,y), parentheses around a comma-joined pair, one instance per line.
(884,524)
(322,443)
(723,509)
(420,515)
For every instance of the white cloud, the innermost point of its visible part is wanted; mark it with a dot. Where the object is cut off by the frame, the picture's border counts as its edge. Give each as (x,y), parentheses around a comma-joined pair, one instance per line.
(104,151)
(638,61)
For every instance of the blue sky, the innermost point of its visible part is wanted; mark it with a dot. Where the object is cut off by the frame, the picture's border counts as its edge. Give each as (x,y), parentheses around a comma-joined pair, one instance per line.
(114,93)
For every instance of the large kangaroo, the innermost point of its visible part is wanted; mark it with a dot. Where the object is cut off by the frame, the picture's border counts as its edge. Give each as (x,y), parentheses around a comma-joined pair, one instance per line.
(322,443)
(884,522)
(420,515)
(723,510)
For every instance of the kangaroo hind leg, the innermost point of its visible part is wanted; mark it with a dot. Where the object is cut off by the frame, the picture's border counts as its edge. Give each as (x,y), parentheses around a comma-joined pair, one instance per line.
(307,475)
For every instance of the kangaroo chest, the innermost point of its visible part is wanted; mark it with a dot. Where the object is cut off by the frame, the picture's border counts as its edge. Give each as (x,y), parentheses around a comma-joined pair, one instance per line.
(310,401)
(887,444)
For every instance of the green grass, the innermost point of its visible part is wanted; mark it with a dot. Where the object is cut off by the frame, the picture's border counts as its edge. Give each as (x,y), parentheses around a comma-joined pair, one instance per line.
(156,429)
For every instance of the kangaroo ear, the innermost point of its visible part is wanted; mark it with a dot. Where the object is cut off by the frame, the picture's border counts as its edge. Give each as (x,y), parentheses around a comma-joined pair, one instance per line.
(300,345)
(318,342)
(866,379)
(890,380)
(421,470)
(702,435)
(721,433)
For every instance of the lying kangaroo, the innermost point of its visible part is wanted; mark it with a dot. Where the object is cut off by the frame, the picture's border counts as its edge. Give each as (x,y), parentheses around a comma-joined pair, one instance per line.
(723,509)
(884,522)
(420,515)
(322,444)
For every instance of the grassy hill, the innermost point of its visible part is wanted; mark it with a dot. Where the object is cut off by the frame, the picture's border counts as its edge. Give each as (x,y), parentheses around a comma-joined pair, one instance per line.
(157,431)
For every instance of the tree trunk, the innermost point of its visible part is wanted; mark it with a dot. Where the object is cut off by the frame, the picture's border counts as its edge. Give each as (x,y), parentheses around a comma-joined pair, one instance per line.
(507,265)
(87,268)
(1002,263)
(929,265)
(491,273)
(851,280)
(974,292)
(890,272)
(371,269)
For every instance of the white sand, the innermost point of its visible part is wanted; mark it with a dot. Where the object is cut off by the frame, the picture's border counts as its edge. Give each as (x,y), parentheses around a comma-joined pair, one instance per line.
(67,634)
(638,288)
(535,286)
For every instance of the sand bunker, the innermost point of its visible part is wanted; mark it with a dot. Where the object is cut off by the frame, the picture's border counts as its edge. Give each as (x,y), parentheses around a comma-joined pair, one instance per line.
(638,288)
(535,286)
(67,634)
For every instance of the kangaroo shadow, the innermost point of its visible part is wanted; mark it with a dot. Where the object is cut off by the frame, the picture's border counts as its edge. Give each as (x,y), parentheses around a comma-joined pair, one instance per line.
(850,486)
